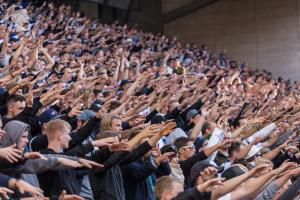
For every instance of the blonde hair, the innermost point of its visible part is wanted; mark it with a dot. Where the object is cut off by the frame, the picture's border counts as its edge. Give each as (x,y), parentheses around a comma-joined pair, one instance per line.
(106,122)
(262,161)
(55,126)
(165,183)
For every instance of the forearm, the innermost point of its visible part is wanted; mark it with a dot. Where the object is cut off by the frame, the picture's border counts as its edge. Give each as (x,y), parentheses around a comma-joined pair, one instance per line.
(17,54)
(210,150)
(197,129)
(230,185)
(244,152)
(153,140)
(254,185)
(248,133)
(291,192)
(272,154)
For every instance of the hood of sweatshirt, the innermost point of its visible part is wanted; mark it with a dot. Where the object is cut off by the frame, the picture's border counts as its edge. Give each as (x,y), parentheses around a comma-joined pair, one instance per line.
(14,129)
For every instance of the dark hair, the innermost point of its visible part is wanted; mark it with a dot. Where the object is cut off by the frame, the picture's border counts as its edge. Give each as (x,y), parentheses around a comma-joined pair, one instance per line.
(205,127)
(181,142)
(114,104)
(15,98)
(233,147)
(168,148)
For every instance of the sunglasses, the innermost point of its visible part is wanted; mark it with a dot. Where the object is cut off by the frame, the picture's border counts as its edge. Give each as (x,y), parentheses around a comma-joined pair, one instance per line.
(190,147)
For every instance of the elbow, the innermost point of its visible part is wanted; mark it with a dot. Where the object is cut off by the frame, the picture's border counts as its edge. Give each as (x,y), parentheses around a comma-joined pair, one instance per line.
(215,194)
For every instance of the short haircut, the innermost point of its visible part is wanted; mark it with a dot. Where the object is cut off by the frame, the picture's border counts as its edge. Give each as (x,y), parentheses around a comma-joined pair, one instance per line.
(106,122)
(164,183)
(114,104)
(181,142)
(15,98)
(205,127)
(54,126)
(233,147)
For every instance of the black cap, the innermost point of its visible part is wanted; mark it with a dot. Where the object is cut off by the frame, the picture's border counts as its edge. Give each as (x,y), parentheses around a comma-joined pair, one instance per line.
(168,148)
(124,82)
(233,171)
(157,119)
(192,113)
(200,166)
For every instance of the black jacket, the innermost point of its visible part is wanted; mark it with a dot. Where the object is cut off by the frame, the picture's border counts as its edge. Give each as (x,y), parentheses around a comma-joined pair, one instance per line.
(107,182)
(187,164)
(192,194)
(53,182)
(41,142)
(28,116)
(139,178)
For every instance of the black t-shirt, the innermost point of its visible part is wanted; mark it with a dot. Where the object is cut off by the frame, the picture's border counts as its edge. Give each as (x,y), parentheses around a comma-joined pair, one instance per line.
(54,182)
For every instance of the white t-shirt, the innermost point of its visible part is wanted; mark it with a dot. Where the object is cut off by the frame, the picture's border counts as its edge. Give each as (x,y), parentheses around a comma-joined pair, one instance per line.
(225,197)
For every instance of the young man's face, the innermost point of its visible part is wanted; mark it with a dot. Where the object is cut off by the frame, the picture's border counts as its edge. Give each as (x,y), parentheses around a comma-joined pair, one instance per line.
(175,159)
(188,150)
(17,107)
(23,141)
(67,74)
(116,125)
(64,138)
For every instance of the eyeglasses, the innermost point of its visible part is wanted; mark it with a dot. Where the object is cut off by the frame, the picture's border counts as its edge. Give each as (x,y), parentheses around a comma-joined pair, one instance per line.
(190,147)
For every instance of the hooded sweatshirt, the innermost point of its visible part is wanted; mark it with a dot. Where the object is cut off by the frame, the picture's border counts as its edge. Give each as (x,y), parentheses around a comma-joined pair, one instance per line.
(26,169)
(14,129)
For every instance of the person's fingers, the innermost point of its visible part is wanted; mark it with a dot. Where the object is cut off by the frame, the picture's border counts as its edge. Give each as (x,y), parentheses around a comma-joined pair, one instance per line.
(21,190)
(43,157)
(12,158)
(9,159)
(78,165)
(16,151)
(62,195)
(261,167)
(6,190)
(215,181)
(95,164)
(88,165)
(3,193)
(39,191)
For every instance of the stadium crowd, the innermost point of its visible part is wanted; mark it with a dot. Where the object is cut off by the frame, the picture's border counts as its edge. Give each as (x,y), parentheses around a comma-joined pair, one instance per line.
(108,112)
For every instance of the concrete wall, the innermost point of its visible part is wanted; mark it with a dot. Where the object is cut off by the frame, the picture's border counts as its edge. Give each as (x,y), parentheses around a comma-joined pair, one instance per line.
(263,33)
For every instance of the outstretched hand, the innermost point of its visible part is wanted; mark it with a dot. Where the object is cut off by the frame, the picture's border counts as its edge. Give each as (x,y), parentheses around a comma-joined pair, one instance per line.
(11,153)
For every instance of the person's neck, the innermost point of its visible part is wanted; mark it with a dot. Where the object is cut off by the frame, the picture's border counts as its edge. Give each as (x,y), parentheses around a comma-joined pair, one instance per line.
(181,157)
(9,115)
(55,147)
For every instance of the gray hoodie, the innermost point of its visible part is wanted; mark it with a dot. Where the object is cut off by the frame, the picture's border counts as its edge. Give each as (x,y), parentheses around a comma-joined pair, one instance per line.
(14,129)
(26,170)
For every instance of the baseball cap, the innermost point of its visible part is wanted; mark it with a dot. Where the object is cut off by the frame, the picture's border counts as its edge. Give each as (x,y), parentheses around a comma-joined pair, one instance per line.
(124,82)
(157,119)
(48,115)
(192,113)
(14,37)
(234,171)
(200,166)
(96,105)
(86,115)
(168,148)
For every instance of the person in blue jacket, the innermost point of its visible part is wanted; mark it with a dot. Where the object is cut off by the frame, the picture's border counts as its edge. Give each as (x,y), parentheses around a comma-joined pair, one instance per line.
(139,176)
